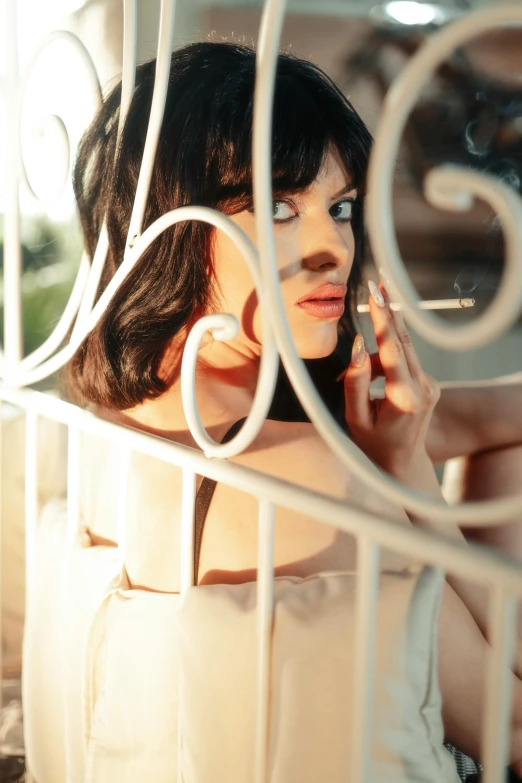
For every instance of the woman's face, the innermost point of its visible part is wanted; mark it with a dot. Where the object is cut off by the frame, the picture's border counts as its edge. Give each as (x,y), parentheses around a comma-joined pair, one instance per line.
(315,248)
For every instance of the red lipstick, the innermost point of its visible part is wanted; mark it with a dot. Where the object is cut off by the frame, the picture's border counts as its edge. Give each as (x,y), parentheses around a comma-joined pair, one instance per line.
(326,301)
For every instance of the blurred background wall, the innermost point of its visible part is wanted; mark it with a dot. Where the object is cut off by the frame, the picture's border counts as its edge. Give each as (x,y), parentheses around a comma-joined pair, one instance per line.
(470,113)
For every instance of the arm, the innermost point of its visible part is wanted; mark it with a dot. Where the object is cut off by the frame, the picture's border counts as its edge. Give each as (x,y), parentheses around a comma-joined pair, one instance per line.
(473,596)
(462,664)
(463,647)
(481,423)
(475,416)
(393,432)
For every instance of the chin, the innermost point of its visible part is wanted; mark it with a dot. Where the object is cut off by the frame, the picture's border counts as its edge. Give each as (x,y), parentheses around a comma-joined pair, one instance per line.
(314,346)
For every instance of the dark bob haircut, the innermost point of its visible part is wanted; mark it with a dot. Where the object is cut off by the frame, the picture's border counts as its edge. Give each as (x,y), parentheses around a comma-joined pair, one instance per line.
(203,158)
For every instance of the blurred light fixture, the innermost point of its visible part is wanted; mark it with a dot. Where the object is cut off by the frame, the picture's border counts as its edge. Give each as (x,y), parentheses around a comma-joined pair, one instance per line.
(74,5)
(412,13)
(66,6)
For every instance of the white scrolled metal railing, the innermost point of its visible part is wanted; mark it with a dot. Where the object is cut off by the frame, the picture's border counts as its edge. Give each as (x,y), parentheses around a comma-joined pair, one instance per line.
(12,248)
(446,187)
(475,514)
(94,85)
(130,40)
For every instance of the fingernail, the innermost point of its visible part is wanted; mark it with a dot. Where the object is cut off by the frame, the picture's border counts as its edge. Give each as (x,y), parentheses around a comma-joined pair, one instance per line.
(358,350)
(376,294)
(385,280)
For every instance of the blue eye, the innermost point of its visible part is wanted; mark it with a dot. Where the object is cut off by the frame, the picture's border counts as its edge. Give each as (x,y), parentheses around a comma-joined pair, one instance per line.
(342,211)
(282,211)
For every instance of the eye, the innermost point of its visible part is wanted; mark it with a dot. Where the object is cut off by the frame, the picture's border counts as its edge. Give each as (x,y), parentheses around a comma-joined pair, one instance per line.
(342,211)
(282,212)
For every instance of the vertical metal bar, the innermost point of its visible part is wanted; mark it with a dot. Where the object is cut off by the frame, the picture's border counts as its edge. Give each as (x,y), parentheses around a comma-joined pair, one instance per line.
(265,614)
(12,250)
(497,707)
(187,576)
(1,547)
(123,486)
(128,79)
(366,607)
(188,500)
(159,95)
(31,496)
(73,484)
(130,56)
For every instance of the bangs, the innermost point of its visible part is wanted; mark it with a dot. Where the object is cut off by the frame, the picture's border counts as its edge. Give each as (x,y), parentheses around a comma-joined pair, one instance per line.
(311,118)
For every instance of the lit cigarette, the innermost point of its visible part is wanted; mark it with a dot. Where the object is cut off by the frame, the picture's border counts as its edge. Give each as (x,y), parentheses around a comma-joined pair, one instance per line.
(427,304)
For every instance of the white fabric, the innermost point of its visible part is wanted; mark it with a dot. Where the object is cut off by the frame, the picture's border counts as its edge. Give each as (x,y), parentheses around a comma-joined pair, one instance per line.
(120,725)
(132,684)
(131,688)
(67,590)
(52,450)
(312,682)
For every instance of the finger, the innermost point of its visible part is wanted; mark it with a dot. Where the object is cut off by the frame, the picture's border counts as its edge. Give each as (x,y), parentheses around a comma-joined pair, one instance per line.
(357,405)
(376,368)
(410,353)
(375,362)
(391,352)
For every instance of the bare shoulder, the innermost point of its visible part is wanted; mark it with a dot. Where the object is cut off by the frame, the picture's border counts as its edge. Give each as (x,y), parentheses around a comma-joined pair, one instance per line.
(303,545)
(295,452)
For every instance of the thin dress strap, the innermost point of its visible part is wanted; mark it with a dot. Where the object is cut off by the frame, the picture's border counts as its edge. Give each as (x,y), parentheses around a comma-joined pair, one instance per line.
(203,499)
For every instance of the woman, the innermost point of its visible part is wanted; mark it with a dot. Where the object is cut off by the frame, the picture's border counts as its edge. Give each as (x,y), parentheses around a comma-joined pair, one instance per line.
(128,368)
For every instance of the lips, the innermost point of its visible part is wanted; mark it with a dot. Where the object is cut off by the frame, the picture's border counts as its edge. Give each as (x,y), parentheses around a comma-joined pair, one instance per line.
(326,301)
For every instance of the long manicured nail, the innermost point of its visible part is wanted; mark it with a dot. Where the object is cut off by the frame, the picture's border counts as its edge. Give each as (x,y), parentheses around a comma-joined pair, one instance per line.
(358,350)
(385,280)
(376,294)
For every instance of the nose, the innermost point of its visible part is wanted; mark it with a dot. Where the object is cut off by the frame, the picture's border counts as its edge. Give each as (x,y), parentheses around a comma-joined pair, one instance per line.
(326,247)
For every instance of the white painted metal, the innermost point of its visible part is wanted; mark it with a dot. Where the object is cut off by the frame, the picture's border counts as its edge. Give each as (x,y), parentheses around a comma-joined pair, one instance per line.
(447,187)
(481,514)
(166,35)
(188,500)
(55,188)
(497,707)
(73,483)
(84,310)
(13,345)
(450,187)
(366,607)
(124,458)
(31,495)
(94,86)
(130,38)
(474,563)
(344,9)
(2,407)
(377,480)
(187,529)
(265,615)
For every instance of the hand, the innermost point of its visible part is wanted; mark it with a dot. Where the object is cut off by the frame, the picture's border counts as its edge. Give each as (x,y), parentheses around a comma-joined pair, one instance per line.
(391,431)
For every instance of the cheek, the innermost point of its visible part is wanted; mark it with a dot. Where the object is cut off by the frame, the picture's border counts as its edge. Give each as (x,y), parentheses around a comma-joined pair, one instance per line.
(228,264)
(234,284)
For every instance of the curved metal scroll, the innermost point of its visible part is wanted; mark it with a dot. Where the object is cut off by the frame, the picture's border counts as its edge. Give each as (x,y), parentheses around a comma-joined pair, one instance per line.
(446,187)
(476,514)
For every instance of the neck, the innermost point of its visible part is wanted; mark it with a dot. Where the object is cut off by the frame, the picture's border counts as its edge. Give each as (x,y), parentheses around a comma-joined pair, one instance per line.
(226,379)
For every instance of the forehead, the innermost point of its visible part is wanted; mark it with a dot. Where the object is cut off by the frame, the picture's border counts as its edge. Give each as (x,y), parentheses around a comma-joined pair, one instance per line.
(332,173)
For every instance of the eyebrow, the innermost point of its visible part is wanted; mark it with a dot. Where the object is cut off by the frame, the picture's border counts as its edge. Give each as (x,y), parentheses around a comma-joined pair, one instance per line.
(280,191)
(347,188)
